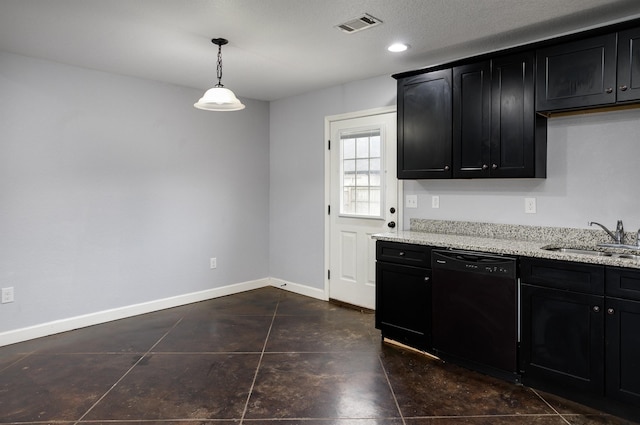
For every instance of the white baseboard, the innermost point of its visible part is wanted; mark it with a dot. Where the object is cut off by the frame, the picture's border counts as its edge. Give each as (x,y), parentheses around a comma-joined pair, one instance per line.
(64,325)
(308,291)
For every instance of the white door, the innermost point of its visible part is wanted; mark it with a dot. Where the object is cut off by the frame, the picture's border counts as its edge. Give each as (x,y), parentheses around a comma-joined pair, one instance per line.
(363,201)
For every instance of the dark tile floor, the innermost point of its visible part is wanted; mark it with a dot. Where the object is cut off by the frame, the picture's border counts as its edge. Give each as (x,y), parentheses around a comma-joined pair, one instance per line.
(260,357)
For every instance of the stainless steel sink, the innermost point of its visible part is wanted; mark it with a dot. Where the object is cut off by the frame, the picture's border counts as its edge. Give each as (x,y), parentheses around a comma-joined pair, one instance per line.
(593,252)
(579,251)
(628,256)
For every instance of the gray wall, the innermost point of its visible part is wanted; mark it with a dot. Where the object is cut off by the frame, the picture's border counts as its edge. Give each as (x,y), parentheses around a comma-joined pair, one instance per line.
(297,209)
(592,176)
(116,191)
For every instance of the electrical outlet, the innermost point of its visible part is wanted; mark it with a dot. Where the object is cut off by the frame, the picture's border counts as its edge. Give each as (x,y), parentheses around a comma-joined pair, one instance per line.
(435,202)
(530,205)
(213,262)
(411,201)
(7,295)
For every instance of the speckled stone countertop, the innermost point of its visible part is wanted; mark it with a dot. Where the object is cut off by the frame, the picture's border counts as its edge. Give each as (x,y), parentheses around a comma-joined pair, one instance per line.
(516,240)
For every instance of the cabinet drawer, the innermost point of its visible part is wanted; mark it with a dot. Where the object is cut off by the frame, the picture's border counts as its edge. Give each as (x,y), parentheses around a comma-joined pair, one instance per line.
(623,283)
(587,278)
(404,253)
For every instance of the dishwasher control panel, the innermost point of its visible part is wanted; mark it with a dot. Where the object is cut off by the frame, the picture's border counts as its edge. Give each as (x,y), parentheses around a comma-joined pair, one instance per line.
(474,262)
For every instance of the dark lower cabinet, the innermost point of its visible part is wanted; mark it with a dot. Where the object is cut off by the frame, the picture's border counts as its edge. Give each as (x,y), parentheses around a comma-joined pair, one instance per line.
(623,350)
(580,332)
(562,339)
(403,293)
(623,335)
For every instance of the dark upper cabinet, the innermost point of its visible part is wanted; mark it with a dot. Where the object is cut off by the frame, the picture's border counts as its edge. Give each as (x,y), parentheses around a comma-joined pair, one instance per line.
(628,65)
(518,135)
(472,120)
(496,132)
(424,126)
(575,75)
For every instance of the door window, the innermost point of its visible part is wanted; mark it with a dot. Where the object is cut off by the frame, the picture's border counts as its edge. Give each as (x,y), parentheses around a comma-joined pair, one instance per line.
(360,169)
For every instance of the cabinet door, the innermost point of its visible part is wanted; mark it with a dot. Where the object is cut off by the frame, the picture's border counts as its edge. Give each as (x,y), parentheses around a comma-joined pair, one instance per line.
(629,65)
(513,117)
(403,304)
(577,74)
(424,126)
(562,340)
(623,350)
(471,120)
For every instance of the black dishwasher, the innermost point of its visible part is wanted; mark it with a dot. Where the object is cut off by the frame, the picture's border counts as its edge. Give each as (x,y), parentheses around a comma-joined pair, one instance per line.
(475,311)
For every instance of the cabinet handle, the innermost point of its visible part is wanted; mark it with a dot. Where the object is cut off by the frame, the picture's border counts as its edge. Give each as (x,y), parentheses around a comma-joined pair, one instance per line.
(401,253)
(623,88)
(485,167)
(609,90)
(426,279)
(596,308)
(494,166)
(610,311)
(446,168)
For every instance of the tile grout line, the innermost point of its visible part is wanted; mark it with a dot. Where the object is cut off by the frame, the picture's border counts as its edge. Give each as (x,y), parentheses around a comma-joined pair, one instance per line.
(22,357)
(393,393)
(255,376)
(127,372)
(550,406)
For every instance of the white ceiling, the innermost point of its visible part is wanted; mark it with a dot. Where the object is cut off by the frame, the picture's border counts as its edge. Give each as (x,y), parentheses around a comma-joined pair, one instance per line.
(280,48)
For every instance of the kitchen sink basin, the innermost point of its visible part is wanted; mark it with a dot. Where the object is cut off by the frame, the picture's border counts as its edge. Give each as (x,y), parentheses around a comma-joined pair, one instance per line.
(579,251)
(593,252)
(629,256)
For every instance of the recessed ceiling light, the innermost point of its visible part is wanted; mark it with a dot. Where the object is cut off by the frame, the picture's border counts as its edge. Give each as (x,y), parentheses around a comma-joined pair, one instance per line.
(398,47)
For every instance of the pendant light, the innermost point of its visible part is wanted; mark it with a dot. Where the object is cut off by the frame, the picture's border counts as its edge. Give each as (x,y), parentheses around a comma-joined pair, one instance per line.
(219,98)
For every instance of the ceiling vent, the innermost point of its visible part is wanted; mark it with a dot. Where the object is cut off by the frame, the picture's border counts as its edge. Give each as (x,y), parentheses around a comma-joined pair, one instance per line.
(358,24)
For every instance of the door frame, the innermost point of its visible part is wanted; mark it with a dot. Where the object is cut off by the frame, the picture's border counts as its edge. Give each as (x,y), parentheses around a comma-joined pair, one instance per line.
(327,182)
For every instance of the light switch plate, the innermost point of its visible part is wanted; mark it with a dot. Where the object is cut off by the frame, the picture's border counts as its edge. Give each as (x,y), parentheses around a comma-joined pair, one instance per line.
(435,202)
(411,201)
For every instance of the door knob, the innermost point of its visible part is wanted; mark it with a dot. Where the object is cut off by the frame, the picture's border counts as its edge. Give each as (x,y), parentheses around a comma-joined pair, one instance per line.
(391,224)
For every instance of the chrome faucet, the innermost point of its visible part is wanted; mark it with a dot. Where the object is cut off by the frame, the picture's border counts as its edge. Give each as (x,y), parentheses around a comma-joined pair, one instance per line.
(638,239)
(618,236)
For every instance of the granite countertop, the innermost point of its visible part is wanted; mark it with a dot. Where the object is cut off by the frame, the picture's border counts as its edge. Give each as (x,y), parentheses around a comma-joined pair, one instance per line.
(524,241)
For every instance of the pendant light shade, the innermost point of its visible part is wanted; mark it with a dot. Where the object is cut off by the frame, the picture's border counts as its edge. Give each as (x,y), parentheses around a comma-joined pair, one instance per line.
(219,98)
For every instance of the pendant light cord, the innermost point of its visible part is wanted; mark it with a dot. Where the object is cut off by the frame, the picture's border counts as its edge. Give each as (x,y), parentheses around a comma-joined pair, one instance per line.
(219,68)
